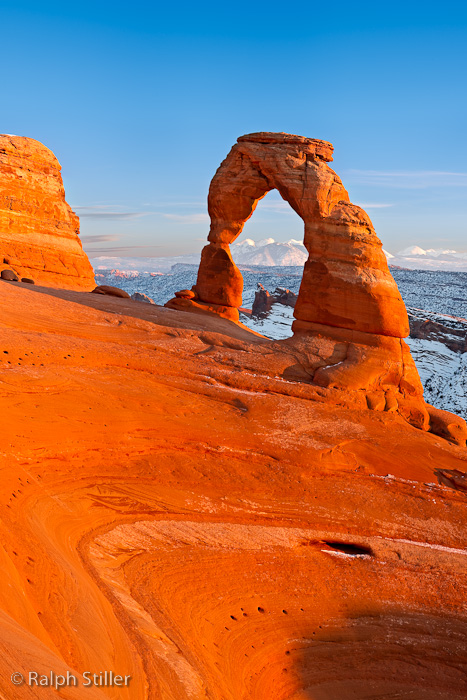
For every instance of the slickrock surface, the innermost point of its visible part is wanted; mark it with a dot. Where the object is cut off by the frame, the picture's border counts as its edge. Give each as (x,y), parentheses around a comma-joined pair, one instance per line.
(38,230)
(181,503)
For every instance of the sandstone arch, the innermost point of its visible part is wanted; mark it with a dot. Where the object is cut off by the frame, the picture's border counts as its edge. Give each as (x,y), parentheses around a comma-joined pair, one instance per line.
(346,281)
(350,317)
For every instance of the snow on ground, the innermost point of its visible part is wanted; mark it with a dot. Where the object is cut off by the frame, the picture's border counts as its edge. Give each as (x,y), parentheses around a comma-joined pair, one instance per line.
(443,374)
(443,292)
(277,323)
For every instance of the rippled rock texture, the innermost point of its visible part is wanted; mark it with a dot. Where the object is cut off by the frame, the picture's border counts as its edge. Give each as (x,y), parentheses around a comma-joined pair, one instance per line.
(38,230)
(182,504)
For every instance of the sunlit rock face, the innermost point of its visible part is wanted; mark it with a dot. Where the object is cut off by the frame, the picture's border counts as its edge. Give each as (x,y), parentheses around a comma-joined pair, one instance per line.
(181,504)
(38,230)
(217,515)
(350,319)
(346,281)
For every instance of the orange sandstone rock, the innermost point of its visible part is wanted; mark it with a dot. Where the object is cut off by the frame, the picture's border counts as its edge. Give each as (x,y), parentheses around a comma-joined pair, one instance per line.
(111,291)
(39,233)
(350,317)
(217,515)
(346,281)
(180,502)
(186,294)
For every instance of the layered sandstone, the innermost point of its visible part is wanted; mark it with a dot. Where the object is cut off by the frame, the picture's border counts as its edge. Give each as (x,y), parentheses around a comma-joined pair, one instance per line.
(210,521)
(39,232)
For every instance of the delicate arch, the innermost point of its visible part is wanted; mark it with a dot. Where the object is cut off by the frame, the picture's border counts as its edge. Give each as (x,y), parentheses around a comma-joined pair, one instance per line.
(348,306)
(346,281)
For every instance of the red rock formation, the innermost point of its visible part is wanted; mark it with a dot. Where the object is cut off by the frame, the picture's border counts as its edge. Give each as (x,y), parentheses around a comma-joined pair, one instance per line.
(181,504)
(38,230)
(218,515)
(350,317)
(346,282)
(264,301)
(111,291)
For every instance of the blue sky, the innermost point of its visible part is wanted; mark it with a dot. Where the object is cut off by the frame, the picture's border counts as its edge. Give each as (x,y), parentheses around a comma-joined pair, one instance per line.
(140,103)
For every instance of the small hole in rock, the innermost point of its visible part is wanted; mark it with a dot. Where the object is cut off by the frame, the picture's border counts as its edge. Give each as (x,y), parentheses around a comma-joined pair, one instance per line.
(354,550)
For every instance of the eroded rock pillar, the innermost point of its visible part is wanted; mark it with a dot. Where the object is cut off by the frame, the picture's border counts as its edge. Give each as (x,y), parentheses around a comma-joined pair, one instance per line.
(39,232)
(234,192)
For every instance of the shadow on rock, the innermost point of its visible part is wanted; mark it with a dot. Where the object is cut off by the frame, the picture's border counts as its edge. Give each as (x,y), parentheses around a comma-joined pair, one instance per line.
(383,656)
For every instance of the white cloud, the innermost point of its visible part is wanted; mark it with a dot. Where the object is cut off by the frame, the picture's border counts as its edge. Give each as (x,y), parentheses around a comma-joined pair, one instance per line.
(144,250)
(99,239)
(280,206)
(410,180)
(163,205)
(108,211)
(121,216)
(188,218)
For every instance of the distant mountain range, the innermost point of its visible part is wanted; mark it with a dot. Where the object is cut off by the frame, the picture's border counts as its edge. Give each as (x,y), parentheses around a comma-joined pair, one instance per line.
(416,258)
(269,253)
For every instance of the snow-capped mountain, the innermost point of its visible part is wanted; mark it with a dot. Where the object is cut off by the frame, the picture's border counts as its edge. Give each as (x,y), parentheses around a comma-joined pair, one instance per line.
(416,258)
(140,266)
(269,253)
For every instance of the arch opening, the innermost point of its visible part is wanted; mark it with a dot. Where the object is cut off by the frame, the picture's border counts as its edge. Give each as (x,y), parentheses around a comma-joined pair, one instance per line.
(271,256)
